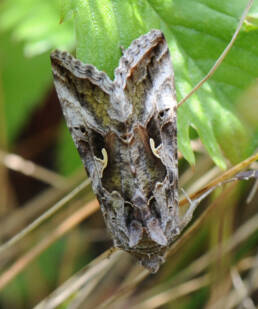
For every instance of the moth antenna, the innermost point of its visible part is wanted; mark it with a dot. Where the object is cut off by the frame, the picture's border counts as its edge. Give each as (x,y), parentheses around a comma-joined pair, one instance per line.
(195,203)
(222,56)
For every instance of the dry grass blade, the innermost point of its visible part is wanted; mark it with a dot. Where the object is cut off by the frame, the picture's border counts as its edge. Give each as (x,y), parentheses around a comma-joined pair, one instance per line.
(128,287)
(202,263)
(125,290)
(253,277)
(63,228)
(18,237)
(241,289)
(86,290)
(29,168)
(245,232)
(253,191)
(172,294)
(223,178)
(241,234)
(81,279)
(233,298)
(196,267)
(20,217)
(165,294)
(189,232)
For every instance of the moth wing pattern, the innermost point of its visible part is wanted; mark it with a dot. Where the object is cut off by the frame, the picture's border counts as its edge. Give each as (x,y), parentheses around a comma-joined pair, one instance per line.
(84,94)
(85,86)
(125,132)
(146,77)
(143,71)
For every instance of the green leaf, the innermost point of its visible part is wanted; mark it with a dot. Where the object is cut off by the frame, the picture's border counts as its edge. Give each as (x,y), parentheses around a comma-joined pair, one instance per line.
(36,23)
(197,32)
(67,7)
(102,27)
(251,22)
(25,82)
(28,28)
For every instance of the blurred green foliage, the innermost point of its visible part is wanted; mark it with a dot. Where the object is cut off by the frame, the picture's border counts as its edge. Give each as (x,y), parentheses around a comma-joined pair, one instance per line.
(29,29)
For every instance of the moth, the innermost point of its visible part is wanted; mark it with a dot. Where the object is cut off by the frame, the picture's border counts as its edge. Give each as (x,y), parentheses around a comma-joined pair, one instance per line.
(126,134)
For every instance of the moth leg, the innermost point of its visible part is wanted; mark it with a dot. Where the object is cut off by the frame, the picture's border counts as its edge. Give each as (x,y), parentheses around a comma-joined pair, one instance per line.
(193,205)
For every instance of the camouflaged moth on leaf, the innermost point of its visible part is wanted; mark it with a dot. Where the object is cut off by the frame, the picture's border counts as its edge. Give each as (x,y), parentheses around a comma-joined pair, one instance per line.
(126,133)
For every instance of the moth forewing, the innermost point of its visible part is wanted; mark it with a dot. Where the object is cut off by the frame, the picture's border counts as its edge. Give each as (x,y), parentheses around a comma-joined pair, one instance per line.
(125,132)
